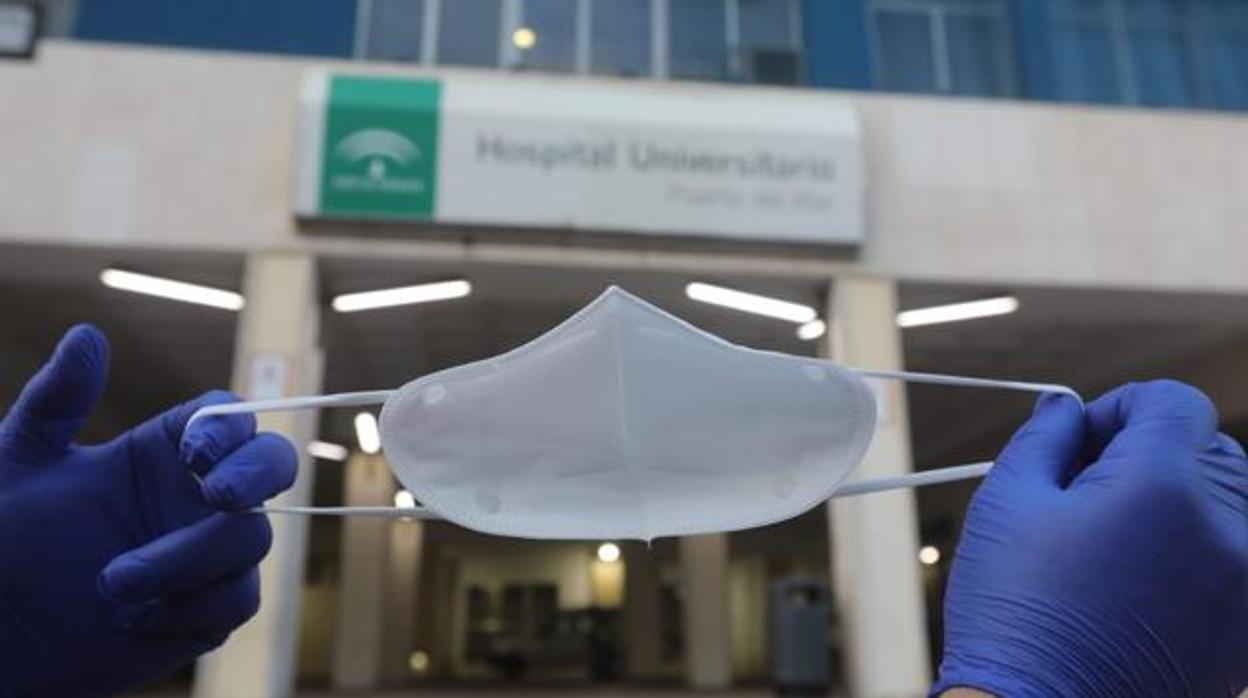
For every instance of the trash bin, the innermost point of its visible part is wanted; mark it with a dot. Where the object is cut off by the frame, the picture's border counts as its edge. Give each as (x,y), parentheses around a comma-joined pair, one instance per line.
(799,637)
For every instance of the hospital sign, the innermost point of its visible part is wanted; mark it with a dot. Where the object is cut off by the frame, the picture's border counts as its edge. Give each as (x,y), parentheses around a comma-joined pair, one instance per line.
(530,151)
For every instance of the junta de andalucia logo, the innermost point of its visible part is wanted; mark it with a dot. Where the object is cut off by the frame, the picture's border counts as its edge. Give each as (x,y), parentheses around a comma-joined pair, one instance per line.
(378,160)
(380,147)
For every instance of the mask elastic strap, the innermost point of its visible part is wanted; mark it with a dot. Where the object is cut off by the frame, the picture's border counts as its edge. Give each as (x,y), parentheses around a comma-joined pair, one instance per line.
(373,397)
(967,382)
(284,404)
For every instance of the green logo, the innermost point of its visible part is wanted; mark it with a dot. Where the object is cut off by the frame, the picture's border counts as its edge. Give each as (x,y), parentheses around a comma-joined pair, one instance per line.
(381,147)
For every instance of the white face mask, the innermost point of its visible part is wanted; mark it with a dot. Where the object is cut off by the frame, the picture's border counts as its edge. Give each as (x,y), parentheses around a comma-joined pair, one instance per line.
(624,422)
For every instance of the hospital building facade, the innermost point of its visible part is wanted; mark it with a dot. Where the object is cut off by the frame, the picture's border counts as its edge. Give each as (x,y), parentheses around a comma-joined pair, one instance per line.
(1082,161)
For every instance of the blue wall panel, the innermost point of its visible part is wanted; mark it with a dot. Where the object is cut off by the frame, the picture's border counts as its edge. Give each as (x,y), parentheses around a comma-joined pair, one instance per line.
(835,37)
(312,27)
(1032,46)
(1053,61)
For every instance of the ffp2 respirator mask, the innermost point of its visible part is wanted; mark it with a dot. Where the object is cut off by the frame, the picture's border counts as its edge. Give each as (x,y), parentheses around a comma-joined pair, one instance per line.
(625,422)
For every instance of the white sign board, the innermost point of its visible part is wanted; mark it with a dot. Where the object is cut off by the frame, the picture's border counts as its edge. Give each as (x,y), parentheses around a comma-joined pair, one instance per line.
(534,152)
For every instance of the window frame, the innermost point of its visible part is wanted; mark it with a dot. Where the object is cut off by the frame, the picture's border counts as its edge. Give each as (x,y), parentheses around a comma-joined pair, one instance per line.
(1112,16)
(735,51)
(937,13)
(511,17)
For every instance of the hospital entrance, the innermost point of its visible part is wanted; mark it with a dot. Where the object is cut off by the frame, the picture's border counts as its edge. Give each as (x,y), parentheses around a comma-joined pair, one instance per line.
(468,608)
(389,605)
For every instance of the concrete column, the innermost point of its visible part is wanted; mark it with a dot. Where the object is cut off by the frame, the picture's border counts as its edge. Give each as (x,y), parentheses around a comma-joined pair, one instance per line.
(643,658)
(402,589)
(708,642)
(748,595)
(443,578)
(361,610)
(875,568)
(276,354)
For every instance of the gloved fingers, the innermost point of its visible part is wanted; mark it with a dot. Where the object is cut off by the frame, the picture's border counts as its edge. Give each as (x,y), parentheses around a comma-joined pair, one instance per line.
(217,608)
(211,438)
(188,558)
(1142,415)
(58,399)
(254,472)
(1045,449)
(1227,467)
(1227,445)
(207,441)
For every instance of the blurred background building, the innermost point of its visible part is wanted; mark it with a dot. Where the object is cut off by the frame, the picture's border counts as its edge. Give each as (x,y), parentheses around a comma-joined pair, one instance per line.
(1077,165)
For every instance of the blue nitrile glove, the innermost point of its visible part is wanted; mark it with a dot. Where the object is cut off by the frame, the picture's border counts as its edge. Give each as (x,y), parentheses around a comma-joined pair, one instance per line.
(1124,577)
(116,566)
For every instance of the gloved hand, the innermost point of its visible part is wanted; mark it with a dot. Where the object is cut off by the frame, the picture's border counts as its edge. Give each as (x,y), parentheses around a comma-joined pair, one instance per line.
(116,565)
(1106,555)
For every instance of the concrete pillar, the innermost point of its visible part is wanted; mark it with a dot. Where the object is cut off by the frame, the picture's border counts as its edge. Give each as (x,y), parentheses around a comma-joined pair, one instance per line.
(748,596)
(402,589)
(643,658)
(708,642)
(361,611)
(443,578)
(875,569)
(276,354)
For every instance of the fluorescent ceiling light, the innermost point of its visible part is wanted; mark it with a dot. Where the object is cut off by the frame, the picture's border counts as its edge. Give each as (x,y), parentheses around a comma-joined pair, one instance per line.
(170,289)
(406,295)
(366,432)
(750,302)
(812,330)
(326,450)
(956,312)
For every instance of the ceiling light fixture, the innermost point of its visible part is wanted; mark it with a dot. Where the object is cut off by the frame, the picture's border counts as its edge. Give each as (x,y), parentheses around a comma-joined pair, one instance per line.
(956,312)
(405,295)
(327,451)
(404,500)
(366,432)
(171,289)
(524,38)
(812,330)
(608,553)
(750,302)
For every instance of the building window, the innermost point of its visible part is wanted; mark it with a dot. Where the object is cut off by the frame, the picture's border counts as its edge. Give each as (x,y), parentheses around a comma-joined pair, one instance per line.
(748,40)
(545,37)
(1222,31)
(468,32)
(742,40)
(699,45)
(769,38)
(959,47)
(1151,52)
(621,37)
(391,30)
